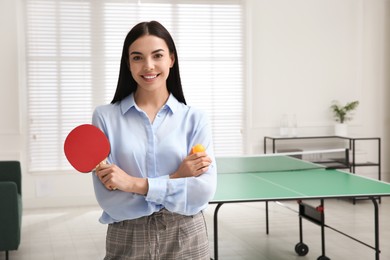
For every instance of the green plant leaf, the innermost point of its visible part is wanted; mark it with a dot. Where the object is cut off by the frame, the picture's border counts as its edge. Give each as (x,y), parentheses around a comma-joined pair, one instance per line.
(342,113)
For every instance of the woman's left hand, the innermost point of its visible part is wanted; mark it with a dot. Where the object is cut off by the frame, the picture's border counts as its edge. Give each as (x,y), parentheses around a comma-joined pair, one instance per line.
(193,165)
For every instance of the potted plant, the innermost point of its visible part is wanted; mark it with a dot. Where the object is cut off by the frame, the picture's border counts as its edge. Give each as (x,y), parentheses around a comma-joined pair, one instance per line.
(342,114)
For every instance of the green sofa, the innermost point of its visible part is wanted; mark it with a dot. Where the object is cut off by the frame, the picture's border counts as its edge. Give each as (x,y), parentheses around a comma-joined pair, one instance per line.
(10,205)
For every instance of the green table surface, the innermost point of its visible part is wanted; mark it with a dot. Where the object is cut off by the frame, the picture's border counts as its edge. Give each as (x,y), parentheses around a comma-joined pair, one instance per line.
(270,178)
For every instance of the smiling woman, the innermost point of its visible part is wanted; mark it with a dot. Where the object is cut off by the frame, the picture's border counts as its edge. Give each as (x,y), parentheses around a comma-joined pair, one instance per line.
(147,120)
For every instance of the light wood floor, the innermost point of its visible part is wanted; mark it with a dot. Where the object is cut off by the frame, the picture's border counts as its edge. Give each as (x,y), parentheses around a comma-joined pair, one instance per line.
(75,233)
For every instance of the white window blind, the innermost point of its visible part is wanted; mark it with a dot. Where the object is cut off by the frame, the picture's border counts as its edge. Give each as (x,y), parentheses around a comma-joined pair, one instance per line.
(73,52)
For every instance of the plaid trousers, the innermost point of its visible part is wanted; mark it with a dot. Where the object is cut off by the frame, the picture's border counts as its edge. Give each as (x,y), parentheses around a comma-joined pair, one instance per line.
(161,236)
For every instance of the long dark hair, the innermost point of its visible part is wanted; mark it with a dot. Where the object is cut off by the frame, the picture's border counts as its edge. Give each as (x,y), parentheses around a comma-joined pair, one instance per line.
(126,83)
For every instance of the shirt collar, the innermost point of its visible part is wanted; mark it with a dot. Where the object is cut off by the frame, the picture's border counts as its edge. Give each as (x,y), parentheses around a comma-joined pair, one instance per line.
(129,102)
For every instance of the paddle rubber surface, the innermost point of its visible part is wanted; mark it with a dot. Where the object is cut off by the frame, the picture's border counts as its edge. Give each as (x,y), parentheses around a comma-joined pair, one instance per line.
(85,147)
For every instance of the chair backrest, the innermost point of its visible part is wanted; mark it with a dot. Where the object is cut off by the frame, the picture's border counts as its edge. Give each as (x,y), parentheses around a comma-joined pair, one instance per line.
(11,171)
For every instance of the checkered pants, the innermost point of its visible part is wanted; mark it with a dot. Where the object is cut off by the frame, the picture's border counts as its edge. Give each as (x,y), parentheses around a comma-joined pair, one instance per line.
(161,236)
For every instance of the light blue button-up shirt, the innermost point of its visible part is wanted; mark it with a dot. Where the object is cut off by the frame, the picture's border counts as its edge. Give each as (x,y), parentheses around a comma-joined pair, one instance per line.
(154,151)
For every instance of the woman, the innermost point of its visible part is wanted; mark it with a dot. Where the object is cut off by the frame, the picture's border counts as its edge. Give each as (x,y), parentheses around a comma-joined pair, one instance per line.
(153,189)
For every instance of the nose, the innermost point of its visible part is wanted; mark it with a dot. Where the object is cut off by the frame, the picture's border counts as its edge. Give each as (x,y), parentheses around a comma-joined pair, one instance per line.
(149,64)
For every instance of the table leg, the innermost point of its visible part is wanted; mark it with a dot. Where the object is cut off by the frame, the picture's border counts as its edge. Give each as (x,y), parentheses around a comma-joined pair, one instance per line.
(376,220)
(216,231)
(322,228)
(266,218)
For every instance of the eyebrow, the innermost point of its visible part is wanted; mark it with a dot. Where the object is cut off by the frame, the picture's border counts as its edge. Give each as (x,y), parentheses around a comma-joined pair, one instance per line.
(139,53)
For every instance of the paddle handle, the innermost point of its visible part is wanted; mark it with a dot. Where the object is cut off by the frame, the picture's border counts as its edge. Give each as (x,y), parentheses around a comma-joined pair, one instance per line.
(105,162)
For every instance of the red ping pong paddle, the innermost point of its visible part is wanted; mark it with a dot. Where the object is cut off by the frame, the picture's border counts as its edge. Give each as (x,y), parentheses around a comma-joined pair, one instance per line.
(85,147)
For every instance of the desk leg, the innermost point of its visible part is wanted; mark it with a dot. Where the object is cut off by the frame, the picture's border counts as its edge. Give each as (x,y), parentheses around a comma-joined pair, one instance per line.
(216,231)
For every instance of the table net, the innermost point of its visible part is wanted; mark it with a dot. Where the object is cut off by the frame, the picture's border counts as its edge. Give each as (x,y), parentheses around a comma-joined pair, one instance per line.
(292,161)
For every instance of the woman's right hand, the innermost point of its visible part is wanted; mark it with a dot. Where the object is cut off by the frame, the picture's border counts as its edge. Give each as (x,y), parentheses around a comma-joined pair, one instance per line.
(113,178)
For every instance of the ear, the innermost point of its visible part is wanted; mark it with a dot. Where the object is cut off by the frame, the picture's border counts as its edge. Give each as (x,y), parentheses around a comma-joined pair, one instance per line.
(172,56)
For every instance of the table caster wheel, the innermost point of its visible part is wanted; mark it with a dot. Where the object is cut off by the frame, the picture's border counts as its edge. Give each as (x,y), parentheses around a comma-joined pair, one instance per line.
(323,258)
(301,249)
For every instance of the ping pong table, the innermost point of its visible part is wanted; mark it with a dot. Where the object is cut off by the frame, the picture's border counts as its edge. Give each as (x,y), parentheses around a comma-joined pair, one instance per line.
(282,178)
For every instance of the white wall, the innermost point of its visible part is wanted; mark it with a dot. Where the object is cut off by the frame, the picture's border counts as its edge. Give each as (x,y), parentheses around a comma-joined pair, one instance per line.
(302,55)
(385,109)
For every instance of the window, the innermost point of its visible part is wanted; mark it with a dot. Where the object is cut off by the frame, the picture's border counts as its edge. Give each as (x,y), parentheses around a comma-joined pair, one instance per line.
(73,50)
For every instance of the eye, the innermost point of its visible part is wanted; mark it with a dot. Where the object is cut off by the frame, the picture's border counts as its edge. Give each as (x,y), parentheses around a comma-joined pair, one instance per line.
(158,55)
(136,58)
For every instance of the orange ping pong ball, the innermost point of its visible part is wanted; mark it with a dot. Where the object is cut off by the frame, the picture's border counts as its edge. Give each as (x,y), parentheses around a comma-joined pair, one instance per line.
(197,148)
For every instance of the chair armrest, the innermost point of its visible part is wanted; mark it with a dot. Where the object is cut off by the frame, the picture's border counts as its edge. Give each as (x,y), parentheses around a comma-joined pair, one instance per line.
(11,171)
(10,216)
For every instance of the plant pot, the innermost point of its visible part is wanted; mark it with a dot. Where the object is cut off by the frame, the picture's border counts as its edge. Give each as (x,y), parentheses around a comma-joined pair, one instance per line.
(341,129)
